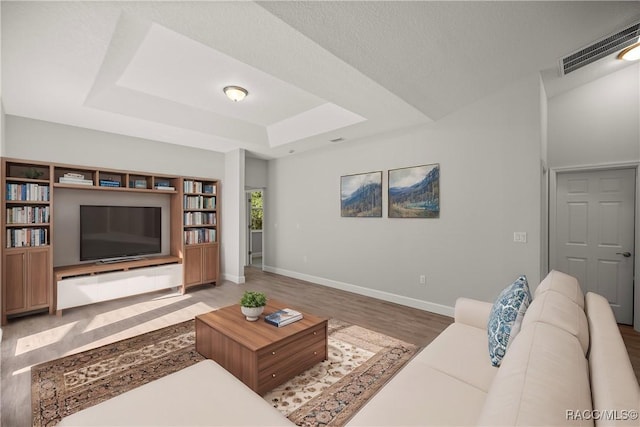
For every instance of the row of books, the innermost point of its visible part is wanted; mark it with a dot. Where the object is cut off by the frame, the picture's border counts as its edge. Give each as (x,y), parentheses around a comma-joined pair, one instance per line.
(283,317)
(198,218)
(199,202)
(24,237)
(199,235)
(28,215)
(198,187)
(74,178)
(28,192)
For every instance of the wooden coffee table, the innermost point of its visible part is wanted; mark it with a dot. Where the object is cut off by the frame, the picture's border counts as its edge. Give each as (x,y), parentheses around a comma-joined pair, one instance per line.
(261,355)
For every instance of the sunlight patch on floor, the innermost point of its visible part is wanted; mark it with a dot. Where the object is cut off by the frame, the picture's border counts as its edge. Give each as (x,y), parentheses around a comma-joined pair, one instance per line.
(184,314)
(42,339)
(127,312)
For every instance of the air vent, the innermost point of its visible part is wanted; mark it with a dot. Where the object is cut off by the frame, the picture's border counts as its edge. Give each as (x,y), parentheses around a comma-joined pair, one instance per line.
(600,49)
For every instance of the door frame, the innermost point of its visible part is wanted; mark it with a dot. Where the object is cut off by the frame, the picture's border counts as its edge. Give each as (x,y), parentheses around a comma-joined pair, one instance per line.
(551,251)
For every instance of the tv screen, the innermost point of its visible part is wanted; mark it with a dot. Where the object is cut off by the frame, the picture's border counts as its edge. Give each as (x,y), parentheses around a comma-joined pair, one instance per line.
(119,231)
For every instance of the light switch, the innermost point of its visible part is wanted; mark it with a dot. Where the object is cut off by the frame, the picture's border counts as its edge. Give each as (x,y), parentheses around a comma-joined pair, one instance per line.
(520,236)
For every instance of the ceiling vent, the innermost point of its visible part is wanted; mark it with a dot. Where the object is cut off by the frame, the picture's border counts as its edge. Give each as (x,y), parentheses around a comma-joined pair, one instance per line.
(600,49)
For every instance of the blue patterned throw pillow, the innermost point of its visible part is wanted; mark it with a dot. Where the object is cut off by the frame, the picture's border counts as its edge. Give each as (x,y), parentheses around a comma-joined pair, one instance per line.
(506,318)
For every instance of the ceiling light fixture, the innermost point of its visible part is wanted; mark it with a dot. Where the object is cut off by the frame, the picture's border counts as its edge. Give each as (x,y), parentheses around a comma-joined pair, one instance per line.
(632,53)
(235,93)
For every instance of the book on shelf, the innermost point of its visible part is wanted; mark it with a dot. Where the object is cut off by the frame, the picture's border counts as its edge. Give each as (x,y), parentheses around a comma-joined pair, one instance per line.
(74,180)
(74,175)
(138,183)
(283,317)
(165,187)
(109,183)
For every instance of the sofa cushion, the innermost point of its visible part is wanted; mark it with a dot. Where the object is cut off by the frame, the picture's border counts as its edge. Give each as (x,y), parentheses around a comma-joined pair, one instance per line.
(543,376)
(614,387)
(558,310)
(506,318)
(472,312)
(189,397)
(461,352)
(560,282)
(420,395)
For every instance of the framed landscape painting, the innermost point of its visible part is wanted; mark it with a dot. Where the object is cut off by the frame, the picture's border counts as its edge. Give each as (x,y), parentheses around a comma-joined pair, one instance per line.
(361,195)
(415,192)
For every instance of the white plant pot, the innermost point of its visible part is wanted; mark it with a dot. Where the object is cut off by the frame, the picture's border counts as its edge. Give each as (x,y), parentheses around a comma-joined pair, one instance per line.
(252,313)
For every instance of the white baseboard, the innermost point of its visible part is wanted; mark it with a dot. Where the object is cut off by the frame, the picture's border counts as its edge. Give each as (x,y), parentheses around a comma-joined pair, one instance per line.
(373,293)
(233,278)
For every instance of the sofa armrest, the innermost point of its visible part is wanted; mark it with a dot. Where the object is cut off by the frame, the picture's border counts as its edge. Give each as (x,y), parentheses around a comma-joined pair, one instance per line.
(472,312)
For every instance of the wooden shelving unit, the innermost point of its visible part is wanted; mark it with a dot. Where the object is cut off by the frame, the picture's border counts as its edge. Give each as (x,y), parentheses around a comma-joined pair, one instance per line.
(200,231)
(28,281)
(26,235)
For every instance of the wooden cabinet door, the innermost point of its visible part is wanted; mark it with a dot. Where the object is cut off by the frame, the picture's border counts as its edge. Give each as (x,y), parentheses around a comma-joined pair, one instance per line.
(192,265)
(38,278)
(15,278)
(210,257)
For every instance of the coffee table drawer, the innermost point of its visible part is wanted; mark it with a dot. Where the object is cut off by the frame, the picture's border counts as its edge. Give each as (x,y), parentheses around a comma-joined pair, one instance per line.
(294,364)
(276,353)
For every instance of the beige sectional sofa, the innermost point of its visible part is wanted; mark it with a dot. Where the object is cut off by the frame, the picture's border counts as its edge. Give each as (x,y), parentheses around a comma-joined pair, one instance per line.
(567,366)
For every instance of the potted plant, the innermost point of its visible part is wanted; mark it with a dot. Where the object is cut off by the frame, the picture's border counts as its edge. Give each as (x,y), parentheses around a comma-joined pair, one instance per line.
(252,304)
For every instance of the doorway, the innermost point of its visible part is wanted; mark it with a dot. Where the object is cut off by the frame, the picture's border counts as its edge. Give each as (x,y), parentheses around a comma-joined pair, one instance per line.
(593,233)
(255,235)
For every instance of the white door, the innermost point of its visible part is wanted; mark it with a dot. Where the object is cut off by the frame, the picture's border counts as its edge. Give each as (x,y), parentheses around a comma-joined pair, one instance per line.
(594,234)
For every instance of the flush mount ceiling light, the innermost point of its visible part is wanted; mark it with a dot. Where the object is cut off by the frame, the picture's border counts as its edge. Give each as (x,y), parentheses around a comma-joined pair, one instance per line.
(632,53)
(235,93)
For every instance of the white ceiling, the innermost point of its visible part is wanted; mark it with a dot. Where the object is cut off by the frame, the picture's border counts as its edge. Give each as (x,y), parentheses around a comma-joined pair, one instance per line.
(315,71)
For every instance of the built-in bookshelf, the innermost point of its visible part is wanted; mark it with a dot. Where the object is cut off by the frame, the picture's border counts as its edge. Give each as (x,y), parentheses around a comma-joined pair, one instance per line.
(26,236)
(27,233)
(200,230)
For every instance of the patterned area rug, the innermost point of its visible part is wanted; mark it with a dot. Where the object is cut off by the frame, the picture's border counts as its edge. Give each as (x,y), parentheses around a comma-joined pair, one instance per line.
(360,362)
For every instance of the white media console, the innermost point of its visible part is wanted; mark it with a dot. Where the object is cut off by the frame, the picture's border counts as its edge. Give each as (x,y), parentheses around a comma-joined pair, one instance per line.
(90,283)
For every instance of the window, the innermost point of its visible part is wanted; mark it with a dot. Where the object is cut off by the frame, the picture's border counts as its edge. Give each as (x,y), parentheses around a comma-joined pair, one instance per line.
(256,210)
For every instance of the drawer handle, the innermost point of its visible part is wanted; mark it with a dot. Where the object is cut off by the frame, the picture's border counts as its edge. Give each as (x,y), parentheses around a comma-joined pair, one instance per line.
(315,353)
(273,352)
(315,333)
(273,375)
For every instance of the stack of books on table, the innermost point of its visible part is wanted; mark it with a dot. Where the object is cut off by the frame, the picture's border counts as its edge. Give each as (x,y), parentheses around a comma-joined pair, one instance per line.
(74,178)
(283,317)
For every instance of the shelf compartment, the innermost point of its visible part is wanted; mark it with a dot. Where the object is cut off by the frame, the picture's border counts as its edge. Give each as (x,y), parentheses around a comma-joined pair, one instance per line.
(140,182)
(27,172)
(74,176)
(164,183)
(112,179)
(27,237)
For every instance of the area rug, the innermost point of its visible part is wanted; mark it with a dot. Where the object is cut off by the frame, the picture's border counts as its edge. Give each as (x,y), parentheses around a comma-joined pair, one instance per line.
(360,363)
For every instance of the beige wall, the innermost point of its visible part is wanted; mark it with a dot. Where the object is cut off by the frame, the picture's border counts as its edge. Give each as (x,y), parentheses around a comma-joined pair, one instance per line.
(490,187)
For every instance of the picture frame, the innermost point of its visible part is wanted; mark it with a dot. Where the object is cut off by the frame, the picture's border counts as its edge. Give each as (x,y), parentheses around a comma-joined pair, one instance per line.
(361,195)
(414,192)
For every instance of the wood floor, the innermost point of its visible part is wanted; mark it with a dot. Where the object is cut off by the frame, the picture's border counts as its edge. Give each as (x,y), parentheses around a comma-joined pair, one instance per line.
(39,338)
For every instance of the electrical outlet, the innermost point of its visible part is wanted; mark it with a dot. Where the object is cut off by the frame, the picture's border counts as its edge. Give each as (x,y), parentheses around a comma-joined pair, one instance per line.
(423,279)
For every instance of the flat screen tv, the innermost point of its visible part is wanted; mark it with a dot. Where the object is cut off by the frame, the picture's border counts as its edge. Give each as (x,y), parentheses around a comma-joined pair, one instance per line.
(111,232)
